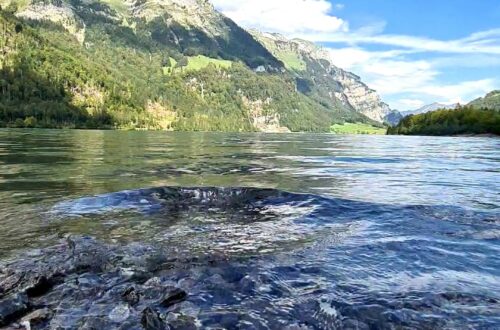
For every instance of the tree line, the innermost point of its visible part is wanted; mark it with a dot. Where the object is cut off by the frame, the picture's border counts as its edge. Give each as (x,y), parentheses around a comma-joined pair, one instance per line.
(464,120)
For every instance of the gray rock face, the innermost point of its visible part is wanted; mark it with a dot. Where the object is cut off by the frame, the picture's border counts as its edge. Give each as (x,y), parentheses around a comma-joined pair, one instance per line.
(57,12)
(393,118)
(360,96)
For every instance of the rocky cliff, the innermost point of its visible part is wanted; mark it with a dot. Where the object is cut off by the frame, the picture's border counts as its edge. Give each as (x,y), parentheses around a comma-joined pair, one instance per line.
(315,69)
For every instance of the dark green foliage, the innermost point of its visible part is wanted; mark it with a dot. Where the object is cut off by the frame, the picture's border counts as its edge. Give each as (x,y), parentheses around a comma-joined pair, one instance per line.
(464,120)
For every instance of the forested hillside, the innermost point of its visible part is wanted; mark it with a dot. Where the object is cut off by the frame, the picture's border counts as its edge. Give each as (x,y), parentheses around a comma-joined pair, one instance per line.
(89,65)
(489,101)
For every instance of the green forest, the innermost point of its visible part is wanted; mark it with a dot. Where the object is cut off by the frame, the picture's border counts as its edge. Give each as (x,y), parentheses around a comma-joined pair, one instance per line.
(464,120)
(131,79)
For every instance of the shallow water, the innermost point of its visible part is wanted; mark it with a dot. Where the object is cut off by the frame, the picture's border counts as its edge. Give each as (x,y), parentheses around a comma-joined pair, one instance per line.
(332,231)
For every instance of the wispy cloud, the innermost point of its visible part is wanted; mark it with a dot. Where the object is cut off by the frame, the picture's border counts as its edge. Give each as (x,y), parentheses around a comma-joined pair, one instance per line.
(411,103)
(284,16)
(485,42)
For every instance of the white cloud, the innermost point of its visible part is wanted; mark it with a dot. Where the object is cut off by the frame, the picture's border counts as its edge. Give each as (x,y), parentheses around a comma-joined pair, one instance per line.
(483,42)
(385,71)
(461,92)
(408,83)
(411,103)
(284,16)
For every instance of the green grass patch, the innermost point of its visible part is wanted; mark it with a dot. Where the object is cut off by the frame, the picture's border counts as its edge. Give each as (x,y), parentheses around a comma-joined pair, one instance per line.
(195,63)
(292,61)
(199,62)
(357,128)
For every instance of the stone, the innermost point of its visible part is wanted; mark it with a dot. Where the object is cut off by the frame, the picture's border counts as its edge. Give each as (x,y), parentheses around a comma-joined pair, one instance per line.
(151,320)
(38,286)
(183,323)
(37,316)
(10,282)
(119,314)
(12,308)
(174,297)
(131,296)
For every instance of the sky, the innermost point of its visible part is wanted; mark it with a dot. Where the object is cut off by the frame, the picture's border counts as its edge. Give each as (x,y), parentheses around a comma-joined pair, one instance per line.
(412,52)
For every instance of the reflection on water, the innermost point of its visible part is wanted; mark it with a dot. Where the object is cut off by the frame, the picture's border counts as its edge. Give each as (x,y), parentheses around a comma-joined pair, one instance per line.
(351,231)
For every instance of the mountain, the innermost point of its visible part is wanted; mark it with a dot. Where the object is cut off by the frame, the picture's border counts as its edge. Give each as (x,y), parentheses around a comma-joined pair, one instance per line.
(316,75)
(490,101)
(429,108)
(164,64)
(393,118)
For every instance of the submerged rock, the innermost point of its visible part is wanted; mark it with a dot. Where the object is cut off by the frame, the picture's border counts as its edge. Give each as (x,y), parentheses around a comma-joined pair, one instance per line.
(37,316)
(251,259)
(119,313)
(12,308)
(9,281)
(40,285)
(90,285)
(151,320)
(174,297)
(131,296)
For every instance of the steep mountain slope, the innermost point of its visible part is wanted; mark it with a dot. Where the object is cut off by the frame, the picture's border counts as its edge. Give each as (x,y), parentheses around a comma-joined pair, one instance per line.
(157,64)
(393,118)
(317,75)
(490,101)
(186,26)
(429,108)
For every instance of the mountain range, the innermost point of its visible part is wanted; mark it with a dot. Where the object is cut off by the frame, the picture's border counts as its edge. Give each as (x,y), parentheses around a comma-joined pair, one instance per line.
(429,108)
(166,64)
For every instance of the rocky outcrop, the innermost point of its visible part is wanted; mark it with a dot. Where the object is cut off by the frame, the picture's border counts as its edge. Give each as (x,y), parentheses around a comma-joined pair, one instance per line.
(314,63)
(393,118)
(57,12)
(199,14)
(358,95)
(262,120)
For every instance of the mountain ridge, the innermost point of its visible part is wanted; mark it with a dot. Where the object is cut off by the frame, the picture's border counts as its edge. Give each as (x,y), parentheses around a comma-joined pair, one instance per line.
(120,47)
(313,62)
(429,108)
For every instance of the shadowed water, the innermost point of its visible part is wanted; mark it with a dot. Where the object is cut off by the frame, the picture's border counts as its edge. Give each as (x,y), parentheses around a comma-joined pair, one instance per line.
(332,232)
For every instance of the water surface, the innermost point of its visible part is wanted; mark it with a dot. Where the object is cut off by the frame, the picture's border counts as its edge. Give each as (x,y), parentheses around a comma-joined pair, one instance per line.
(330,231)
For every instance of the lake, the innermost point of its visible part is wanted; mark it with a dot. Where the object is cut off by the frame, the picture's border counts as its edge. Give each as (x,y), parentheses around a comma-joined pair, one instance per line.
(304,231)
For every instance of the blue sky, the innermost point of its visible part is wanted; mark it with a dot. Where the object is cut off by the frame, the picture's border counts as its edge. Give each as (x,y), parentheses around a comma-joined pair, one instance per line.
(413,52)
